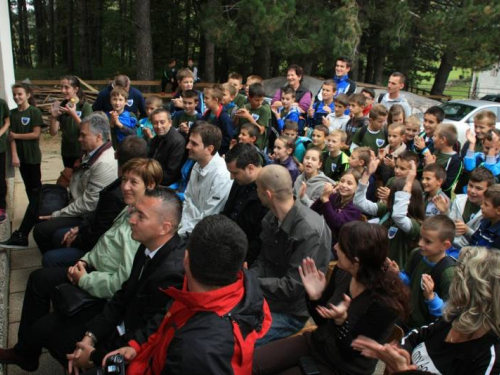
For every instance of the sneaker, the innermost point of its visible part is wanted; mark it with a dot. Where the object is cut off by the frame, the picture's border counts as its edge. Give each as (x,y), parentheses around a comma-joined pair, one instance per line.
(10,357)
(3,216)
(16,241)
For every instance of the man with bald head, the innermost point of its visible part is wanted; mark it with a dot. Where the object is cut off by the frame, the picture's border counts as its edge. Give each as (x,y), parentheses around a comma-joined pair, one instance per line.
(290,233)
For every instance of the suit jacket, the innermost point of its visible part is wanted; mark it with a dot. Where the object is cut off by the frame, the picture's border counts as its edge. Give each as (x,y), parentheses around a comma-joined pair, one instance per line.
(139,300)
(168,150)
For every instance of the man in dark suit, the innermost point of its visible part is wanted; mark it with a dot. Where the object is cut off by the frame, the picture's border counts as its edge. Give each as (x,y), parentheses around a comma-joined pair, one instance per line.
(158,264)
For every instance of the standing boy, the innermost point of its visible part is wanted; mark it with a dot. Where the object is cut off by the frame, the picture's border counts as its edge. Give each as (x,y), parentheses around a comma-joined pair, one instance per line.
(183,120)
(432,179)
(169,76)
(185,78)
(236,80)
(145,129)
(323,108)
(216,115)
(488,233)
(292,130)
(288,111)
(229,93)
(357,103)
(337,162)
(373,135)
(389,154)
(424,141)
(4,127)
(121,121)
(338,119)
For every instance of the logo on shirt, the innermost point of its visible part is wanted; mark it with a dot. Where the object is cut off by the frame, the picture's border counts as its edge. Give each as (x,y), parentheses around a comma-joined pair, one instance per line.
(130,102)
(392,232)
(190,123)
(25,120)
(380,142)
(334,166)
(255,116)
(79,113)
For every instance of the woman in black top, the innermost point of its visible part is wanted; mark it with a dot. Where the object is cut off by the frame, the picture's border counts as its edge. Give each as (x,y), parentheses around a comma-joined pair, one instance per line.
(363,297)
(467,339)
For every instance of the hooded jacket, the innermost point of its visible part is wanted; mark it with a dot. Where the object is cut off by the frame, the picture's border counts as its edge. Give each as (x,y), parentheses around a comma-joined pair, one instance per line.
(314,189)
(211,332)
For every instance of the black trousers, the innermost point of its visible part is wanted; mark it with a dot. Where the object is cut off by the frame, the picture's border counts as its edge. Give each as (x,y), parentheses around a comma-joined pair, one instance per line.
(32,178)
(69,161)
(37,327)
(3,183)
(44,231)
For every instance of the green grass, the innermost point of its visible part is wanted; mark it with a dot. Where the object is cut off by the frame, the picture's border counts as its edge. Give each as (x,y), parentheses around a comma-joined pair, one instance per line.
(456,88)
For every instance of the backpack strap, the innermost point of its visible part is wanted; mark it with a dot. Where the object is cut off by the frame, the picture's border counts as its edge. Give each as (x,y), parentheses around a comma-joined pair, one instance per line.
(417,257)
(439,268)
(362,133)
(380,98)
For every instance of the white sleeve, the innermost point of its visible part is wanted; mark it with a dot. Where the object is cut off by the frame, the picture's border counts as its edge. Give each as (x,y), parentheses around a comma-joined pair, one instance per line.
(362,203)
(400,211)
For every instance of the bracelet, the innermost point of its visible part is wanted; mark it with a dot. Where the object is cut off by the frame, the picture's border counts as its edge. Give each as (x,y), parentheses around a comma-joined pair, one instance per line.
(91,336)
(423,150)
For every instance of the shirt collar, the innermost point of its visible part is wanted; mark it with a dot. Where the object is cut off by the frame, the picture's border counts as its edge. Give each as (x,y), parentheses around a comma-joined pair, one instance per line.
(151,253)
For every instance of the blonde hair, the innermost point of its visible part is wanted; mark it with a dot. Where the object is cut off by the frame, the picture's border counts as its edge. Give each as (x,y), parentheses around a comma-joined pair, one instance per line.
(473,303)
(149,170)
(413,120)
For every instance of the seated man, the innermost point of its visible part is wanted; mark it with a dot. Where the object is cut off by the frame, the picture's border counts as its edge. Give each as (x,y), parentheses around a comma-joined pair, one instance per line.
(210,182)
(290,232)
(70,244)
(243,205)
(98,168)
(157,265)
(215,319)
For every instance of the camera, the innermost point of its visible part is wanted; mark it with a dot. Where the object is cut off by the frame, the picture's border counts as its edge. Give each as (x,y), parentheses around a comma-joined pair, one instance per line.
(114,365)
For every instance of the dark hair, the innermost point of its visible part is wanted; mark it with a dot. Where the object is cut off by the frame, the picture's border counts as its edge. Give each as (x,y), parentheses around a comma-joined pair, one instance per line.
(437,112)
(291,125)
(343,99)
(441,224)
(369,91)
(210,135)
(171,60)
(121,80)
(493,195)
(131,147)
(377,111)
(217,248)
(287,90)
(171,205)
(369,243)
(359,99)
(298,70)
(252,129)
(75,83)
(489,136)
(244,154)
(191,94)
(234,75)
(437,169)
(256,90)
(331,83)
(409,156)
(402,77)
(160,110)
(481,174)
(322,128)
(29,91)
(289,142)
(416,209)
(345,59)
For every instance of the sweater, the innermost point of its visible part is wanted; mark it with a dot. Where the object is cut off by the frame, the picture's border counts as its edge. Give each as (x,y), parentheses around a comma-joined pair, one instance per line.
(314,189)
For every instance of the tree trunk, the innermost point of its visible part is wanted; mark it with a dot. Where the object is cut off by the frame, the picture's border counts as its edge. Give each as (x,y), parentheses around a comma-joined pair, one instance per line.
(98,27)
(143,40)
(187,30)
(445,67)
(378,71)
(370,58)
(24,42)
(70,59)
(83,36)
(262,61)
(52,33)
(15,46)
(41,31)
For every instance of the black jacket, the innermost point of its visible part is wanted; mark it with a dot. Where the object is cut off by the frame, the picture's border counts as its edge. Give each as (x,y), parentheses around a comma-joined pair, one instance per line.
(139,300)
(168,150)
(110,204)
(243,206)
(225,124)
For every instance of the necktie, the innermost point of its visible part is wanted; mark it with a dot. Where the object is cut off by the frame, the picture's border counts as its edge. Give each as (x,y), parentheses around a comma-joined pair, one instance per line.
(146,262)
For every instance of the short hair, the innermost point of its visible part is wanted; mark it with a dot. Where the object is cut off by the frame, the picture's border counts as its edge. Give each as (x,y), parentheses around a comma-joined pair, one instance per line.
(481,174)
(215,91)
(256,90)
(131,147)
(99,124)
(413,120)
(364,154)
(339,132)
(171,205)
(448,132)
(184,73)
(161,110)
(217,248)
(489,136)
(488,116)
(377,111)
(154,100)
(322,128)
(437,169)
(297,68)
(288,91)
(234,75)
(441,224)
(171,60)
(345,59)
(398,126)
(435,111)
(359,99)
(330,82)
(409,156)
(343,99)
(191,94)
(228,87)
(369,91)
(252,129)
(149,170)
(277,179)
(493,194)
(402,77)
(291,125)
(121,80)
(243,154)
(210,135)
(118,91)
(255,78)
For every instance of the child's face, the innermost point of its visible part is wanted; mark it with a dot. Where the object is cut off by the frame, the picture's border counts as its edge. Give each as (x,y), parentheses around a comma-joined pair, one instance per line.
(355,161)
(150,108)
(290,133)
(210,101)
(118,103)
(20,95)
(190,104)
(281,153)
(341,68)
(368,97)
(402,168)
(334,143)
(489,211)
(378,123)
(318,138)
(430,124)
(256,102)
(227,98)
(244,137)
(356,109)
(398,119)
(487,145)
(412,130)
(186,84)
(328,92)
(431,246)
(395,138)
(439,141)
(235,82)
(339,109)
(287,100)
(481,128)
(312,162)
(161,123)
(430,183)
(347,185)
(67,90)
(476,190)
(249,83)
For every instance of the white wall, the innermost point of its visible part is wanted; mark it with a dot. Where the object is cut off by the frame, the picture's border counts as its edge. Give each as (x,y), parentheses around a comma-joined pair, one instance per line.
(6,58)
(488,82)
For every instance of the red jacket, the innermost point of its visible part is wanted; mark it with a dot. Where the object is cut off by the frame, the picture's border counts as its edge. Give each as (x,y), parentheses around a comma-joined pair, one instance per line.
(210,333)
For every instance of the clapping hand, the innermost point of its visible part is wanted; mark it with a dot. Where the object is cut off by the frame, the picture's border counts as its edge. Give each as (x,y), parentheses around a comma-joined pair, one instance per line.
(328,189)
(314,280)
(441,203)
(337,313)
(419,142)
(460,228)
(383,193)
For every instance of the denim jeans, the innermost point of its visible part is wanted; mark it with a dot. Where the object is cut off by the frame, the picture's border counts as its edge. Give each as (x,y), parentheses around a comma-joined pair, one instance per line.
(283,325)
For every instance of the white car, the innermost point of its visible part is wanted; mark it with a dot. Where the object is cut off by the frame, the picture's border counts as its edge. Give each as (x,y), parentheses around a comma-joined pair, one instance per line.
(461,114)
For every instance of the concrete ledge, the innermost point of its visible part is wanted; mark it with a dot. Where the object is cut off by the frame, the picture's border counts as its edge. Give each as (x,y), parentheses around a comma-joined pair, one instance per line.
(4,296)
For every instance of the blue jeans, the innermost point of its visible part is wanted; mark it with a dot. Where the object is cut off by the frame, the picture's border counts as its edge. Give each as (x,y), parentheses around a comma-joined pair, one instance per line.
(63,257)
(283,325)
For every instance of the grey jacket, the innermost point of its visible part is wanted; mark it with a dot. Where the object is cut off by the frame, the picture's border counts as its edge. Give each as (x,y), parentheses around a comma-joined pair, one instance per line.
(314,189)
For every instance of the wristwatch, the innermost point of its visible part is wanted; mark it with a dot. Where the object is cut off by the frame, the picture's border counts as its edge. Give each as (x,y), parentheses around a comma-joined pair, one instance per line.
(91,336)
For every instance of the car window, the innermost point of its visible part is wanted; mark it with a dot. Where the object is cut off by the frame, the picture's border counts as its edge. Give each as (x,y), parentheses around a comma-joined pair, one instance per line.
(456,111)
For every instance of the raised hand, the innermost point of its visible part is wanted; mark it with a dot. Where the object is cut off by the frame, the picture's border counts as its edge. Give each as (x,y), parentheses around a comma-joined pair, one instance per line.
(427,287)
(314,280)
(441,203)
(471,137)
(460,228)
(337,313)
(328,190)
(302,191)
(372,167)
(55,109)
(383,193)
(419,142)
